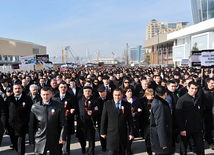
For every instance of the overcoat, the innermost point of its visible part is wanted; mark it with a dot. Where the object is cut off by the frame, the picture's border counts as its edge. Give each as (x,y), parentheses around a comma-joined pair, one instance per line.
(68,103)
(19,115)
(114,125)
(85,123)
(47,126)
(161,134)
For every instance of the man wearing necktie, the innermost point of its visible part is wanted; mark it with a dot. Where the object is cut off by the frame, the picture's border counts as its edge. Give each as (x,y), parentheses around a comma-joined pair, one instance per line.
(47,129)
(115,116)
(19,114)
(68,102)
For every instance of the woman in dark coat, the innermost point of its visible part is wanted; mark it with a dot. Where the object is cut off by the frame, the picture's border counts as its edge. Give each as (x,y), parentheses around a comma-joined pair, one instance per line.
(146,103)
(136,109)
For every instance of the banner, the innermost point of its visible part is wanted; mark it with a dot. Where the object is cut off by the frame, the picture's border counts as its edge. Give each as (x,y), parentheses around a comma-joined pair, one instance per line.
(42,59)
(15,66)
(27,60)
(196,58)
(207,58)
(185,62)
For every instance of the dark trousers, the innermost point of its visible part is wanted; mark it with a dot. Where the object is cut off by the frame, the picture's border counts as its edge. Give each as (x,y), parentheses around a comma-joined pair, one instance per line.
(120,152)
(91,148)
(52,151)
(103,142)
(198,140)
(147,140)
(129,146)
(208,127)
(18,144)
(65,148)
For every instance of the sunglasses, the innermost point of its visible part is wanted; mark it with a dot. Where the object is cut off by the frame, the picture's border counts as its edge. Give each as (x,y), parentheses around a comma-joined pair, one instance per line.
(126,82)
(95,82)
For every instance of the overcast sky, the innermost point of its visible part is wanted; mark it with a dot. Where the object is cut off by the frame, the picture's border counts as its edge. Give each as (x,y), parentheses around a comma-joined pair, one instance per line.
(105,25)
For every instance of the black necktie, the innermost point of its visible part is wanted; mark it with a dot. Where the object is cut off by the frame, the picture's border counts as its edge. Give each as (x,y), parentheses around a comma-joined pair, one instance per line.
(118,109)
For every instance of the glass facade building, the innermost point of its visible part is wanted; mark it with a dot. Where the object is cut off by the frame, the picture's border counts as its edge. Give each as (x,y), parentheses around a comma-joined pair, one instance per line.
(202,10)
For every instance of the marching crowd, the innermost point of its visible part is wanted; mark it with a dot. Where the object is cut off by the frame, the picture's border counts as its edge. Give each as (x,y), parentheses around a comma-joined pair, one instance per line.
(163,105)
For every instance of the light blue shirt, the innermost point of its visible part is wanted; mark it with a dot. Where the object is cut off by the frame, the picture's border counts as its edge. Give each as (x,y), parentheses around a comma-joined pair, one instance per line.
(74,90)
(119,104)
(47,102)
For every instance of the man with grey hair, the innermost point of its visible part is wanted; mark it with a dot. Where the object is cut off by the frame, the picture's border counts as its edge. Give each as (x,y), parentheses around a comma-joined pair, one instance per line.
(25,88)
(34,93)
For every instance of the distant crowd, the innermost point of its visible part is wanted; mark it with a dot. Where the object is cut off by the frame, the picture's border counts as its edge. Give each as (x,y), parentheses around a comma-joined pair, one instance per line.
(163,105)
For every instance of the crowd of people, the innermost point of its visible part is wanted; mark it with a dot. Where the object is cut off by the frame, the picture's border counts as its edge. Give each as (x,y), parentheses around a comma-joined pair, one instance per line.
(163,105)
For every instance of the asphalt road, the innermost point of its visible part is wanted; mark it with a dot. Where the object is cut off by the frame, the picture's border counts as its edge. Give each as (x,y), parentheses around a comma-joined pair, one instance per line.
(138,147)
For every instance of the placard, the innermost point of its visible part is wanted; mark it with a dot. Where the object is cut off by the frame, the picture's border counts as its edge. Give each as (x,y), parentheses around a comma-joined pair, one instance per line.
(207,58)
(27,60)
(196,58)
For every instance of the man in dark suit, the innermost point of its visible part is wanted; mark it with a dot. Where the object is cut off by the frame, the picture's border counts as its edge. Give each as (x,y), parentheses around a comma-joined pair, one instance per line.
(102,98)
(47,81)
(87,111)
(109,87)
(34,93)
(19,115)
(68,103)
(73,88)
(161,127)
(115,116)
(47,127)
(3,116)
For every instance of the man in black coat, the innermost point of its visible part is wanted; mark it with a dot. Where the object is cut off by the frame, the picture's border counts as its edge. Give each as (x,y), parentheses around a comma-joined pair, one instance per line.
(87,111)
(54,86)
(73,88)
(102,98)
(3,117)
(108,86)
(19,115)
(34,93)
(189,118)
(68,103)
(47,127)
(161,127)
(115,116)
(208,105)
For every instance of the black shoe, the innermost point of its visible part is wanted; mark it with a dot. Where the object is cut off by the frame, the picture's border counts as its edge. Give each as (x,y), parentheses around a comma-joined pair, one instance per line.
(104,149)
(83,150)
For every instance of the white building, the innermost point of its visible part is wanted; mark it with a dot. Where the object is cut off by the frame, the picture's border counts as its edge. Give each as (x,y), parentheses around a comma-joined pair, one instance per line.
(201,35)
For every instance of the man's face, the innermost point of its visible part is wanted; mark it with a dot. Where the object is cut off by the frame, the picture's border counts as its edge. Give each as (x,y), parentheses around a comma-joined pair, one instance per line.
(59,80)
(148,78)
(41,81)
(163,84)
(117,95)
(87,84)
(68,80)
(53,84)
(106,81)
(62,88)
(34,91)
(192,90)
(103,94)
(157,79)
(17,89)
(136,80)
(72,84)
(28,79)
(118,76)
(210,84)
(4,84)
(9,93)
(24,83)
(87,93)
(144,84)
(46,95)
(171,87)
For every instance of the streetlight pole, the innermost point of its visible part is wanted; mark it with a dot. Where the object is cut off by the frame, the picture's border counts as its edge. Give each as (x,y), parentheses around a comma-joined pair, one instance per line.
(113,56)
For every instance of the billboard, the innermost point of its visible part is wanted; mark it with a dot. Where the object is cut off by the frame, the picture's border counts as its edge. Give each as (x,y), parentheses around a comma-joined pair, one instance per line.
(42,59)
(196,58)
(27,60)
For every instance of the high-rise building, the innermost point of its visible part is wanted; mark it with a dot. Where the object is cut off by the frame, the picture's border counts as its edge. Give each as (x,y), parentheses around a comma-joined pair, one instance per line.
(155,27)
(202,10)
(136,54)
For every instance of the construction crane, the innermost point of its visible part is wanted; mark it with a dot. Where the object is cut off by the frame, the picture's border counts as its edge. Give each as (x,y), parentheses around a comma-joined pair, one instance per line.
(63,57)
(68,48)
(97,57)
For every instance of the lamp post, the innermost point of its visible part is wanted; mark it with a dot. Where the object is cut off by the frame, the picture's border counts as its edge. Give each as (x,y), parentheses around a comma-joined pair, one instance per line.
(113,56)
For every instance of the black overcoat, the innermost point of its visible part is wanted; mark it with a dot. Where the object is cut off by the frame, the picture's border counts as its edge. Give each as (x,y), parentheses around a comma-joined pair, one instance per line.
(47,126)
(85,123)
(19,115)
(161,127)
(114,125)
(68,103)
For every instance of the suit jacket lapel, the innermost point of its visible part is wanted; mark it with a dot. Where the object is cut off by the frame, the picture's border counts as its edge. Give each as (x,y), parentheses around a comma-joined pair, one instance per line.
(114,107)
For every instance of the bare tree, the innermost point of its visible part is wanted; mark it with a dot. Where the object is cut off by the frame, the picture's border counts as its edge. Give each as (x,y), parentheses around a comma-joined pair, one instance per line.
(125,57)
(146,59)
(194,48)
